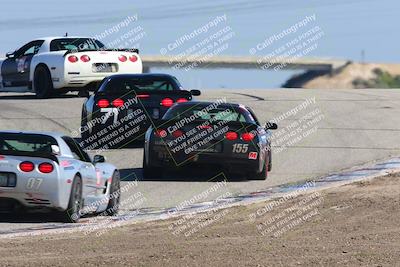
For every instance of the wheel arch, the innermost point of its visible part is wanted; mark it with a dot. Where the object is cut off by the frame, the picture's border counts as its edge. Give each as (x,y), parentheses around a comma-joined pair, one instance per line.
(41,64)
(50,86)
(34,67)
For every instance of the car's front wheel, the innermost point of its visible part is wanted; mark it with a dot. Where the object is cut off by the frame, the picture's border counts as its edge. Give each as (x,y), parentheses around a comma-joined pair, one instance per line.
(115,195)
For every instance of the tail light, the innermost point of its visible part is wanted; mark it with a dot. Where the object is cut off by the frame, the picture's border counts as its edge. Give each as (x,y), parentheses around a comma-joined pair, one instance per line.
(46,167)
(118,102)
(167,102)
(133,58)
(181,100)
(231,136)
(143,96)
(72,59)
(161,133)
(103,103)
(122,58)
(26,166)
(85,58)
(247,137)
(177,133)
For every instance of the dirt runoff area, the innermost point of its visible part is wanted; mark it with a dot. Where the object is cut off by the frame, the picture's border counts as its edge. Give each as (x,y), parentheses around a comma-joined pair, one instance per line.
(352,225)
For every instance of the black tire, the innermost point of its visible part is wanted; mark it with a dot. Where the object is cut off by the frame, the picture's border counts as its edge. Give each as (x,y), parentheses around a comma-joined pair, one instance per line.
(151,173)
(260,175)
(85,135)
(115,195)
(72,213)
(269,160)
(42,82)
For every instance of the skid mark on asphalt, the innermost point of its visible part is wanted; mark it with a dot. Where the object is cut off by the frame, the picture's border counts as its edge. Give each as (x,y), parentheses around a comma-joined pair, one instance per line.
(251,96)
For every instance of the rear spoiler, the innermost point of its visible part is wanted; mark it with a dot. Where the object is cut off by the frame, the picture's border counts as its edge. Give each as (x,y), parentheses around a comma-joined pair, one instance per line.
(30,154)
(234,124)
(172,93)
(130,50)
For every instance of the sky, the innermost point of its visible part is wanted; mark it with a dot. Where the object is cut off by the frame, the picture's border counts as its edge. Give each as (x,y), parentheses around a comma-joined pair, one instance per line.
(349,27)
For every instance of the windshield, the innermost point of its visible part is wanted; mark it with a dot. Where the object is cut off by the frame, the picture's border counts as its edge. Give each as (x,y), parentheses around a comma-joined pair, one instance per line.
(75,44)
(201,112)
(27,143)
(125,85)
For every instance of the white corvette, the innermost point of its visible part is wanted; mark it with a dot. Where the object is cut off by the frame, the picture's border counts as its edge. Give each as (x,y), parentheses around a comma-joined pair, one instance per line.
(49,171)
(47,66)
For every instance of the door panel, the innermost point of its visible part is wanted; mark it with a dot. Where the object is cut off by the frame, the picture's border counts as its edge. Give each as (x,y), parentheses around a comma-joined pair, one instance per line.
(9,72)
(15,71)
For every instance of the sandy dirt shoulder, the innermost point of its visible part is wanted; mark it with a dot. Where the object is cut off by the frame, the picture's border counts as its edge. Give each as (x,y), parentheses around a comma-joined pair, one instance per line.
(353,225)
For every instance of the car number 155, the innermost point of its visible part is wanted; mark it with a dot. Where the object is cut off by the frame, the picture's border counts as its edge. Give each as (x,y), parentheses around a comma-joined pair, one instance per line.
(240,148)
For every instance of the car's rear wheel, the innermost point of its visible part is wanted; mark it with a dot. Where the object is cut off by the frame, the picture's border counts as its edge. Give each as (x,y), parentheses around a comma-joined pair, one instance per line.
(85,135)
(269,160)
(42,82)
(72,213)
(115,195)
(151,173)
(261,175)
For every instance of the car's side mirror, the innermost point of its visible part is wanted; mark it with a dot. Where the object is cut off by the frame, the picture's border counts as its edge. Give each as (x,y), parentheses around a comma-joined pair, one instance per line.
(271,126)
(10,55)
(55,149)
(99,159)
(195,92)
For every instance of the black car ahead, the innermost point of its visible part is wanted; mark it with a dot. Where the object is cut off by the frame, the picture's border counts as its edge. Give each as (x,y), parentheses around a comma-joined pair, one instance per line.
(124,106)
(205,133)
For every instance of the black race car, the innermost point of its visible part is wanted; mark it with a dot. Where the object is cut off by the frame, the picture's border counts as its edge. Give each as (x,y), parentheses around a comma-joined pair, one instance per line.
(124,106)
(206,133)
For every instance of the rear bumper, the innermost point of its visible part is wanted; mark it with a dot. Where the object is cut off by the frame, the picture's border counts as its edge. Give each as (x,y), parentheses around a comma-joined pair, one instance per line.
(160,157)
(35,191)
(82,81)
(11,199)
(82,74)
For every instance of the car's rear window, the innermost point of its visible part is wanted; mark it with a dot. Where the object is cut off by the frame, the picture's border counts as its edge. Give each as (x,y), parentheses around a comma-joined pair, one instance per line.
(75,44)
(126,85)
(27,143)
(201,112)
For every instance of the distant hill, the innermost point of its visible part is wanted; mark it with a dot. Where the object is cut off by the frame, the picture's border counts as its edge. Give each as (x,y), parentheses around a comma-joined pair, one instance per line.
(353,75)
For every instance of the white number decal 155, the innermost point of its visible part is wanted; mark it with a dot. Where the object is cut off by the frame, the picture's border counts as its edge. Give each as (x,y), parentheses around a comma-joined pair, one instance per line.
(240,148)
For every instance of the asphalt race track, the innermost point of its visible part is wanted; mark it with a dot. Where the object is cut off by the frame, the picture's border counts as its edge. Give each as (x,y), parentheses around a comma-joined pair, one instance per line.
(357,126)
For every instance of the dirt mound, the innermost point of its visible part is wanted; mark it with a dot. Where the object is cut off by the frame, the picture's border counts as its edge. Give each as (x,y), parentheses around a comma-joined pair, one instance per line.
(353,75)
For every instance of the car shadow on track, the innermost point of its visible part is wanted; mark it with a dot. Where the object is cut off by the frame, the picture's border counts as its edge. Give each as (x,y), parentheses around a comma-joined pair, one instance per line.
(184,175)
(33,97)
(28,218)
